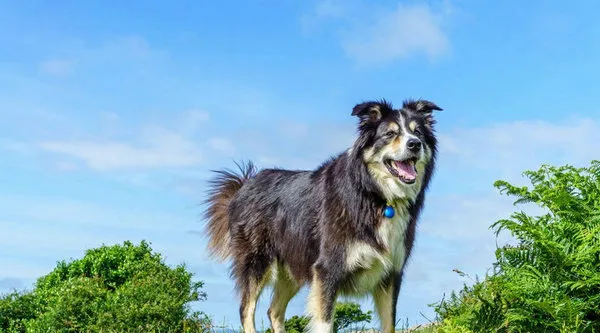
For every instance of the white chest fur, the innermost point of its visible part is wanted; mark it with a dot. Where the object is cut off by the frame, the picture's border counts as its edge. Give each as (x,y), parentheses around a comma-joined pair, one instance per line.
(373,264)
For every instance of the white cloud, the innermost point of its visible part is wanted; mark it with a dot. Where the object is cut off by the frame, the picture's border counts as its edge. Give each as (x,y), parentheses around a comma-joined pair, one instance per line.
(409,30)
(294,130)
(195,119)
(153,147)
(330,9)
(324,10)
(124,49)
(223,146)
(507,149)
(65,166)
(472,159)
(105,156)
(371,34)
(57,67)
(17,147)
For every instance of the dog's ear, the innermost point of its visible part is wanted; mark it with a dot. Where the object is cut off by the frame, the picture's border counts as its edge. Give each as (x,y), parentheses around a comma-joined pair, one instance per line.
(421,106)
(369,112)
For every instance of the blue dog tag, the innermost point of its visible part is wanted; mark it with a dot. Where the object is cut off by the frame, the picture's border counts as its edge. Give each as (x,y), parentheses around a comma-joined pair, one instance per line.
(388,212)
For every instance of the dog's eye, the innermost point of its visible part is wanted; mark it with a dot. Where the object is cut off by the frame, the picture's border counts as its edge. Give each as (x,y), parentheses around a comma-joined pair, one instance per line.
(390,134)
(417,131)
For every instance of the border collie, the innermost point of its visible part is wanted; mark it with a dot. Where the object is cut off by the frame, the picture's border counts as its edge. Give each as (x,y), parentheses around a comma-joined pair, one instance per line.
(346,228)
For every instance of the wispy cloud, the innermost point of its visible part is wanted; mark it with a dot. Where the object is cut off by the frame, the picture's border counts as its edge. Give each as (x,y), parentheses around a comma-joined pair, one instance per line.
(223,146)
(373,35)
(154,147)
(57,67)
(324,10)
(116,155)
(474,158)
(507,149)
(409,30)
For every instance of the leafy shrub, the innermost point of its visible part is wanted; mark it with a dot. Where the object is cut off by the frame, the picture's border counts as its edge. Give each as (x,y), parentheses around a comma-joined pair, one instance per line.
(346,315)
(121,288)
(16,309)
(296,324)
(550,280)
(349,314)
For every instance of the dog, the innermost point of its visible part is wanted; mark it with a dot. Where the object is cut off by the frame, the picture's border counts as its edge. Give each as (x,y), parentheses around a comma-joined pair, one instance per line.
(345,228)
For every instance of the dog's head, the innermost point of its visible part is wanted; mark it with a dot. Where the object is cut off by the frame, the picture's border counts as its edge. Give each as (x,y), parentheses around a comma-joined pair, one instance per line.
(396,144)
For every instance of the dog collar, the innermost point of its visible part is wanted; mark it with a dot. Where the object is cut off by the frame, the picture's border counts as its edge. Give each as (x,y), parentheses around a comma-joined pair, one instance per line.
(388,211)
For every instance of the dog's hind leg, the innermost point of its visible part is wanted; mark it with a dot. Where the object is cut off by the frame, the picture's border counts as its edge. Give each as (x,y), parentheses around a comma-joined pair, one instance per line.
(251,287)
(283,290)
(321,299)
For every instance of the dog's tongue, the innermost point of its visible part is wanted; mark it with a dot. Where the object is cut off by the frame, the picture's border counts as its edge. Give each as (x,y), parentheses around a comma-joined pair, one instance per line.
(406,169)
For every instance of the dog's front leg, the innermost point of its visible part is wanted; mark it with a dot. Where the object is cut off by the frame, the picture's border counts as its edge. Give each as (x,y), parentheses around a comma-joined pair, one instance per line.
(322,297)
(386,298)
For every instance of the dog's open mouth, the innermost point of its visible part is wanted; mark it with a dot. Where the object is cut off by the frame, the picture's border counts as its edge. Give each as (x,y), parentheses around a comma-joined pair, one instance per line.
(404,170)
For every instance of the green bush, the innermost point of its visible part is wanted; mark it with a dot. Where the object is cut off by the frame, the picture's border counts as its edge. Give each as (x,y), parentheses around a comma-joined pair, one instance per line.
(346,315)
(16,309)
(550,280)
(296,324)
(121,288)
(349,314)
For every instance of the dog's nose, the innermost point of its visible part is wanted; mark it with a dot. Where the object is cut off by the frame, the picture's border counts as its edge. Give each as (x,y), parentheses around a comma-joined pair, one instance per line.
(414,145)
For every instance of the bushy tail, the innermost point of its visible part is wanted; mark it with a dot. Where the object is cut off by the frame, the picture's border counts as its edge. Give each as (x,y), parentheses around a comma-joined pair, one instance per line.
(221,190)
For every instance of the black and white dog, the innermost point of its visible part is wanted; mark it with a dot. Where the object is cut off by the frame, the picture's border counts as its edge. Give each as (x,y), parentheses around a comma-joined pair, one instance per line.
(346,228)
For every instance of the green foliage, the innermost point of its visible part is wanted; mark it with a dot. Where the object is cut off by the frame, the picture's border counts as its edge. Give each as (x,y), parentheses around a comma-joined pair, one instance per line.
(296,324)
(16,309)
(346,315)
(121,288)
(550,280)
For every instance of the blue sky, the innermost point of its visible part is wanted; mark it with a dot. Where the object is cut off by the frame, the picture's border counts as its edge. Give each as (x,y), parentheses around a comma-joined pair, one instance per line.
(113,113)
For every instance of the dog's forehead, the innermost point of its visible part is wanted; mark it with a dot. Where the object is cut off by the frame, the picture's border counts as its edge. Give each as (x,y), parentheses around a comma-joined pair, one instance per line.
(395,120)
(392,122)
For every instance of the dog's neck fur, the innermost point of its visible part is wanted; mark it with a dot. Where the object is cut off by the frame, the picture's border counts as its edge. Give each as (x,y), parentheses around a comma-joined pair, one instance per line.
(359,173)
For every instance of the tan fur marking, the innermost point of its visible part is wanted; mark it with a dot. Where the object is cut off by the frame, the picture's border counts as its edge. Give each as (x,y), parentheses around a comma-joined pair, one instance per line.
(283,291)
(250,308)
(393,126)
(255,289)
(315,299)
(375,108)
(397,142)
(412,125)
(374,113)
(316,307)
(383,298)
(368,154)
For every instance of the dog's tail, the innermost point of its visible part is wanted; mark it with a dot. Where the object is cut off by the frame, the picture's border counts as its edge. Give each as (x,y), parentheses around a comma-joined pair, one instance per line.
(221,190)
